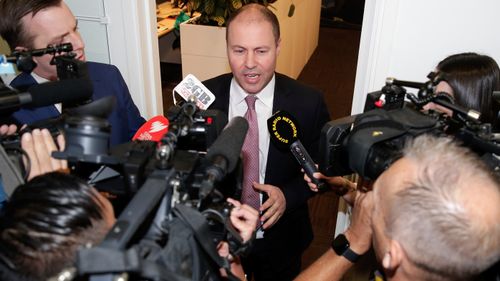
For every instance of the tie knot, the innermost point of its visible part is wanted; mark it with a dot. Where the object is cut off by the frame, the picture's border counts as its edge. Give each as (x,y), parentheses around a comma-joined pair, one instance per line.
(250,99)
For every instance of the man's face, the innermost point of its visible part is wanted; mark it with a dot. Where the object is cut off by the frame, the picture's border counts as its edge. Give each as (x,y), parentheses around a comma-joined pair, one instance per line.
(252,51)
(385,187)
(52,26)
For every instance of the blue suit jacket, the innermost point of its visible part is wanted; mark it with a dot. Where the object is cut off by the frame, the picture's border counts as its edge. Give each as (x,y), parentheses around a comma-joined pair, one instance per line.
(107,80)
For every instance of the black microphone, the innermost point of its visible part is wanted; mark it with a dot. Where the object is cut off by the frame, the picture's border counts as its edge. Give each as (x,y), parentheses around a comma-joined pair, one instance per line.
(285,135)
(63,91)
(224,153)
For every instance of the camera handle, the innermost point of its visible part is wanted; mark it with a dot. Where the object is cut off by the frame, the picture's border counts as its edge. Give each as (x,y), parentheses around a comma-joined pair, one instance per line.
(198,224)
(111,255)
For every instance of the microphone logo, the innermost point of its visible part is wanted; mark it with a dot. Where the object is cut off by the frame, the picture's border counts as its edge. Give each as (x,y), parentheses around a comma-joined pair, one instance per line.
(283,129)
(191,86)
(285,135)
(158,126)
(153,130)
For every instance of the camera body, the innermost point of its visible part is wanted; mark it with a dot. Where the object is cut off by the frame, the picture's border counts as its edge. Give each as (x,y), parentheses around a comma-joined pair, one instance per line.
(368,143)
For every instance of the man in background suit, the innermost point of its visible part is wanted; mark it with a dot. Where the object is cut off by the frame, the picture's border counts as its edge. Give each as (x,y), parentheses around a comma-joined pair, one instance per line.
(34,24)
(253,44)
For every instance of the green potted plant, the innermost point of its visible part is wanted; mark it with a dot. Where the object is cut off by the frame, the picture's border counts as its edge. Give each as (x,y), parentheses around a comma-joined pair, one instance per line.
(216,12)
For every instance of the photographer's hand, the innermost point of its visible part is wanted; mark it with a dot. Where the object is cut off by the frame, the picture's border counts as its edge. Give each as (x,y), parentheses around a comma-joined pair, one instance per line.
(39,145)
(235,262)
(340,185)
(244,219)
(359,233)
(331,266)
(6,130)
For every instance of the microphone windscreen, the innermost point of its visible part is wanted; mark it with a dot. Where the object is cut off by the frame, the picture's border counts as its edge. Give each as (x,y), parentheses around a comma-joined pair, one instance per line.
(283,129)
(70,90)
(230,142)
(153,130)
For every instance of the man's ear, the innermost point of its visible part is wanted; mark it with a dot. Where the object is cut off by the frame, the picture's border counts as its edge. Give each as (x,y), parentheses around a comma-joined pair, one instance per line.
(393,258)
(278,46)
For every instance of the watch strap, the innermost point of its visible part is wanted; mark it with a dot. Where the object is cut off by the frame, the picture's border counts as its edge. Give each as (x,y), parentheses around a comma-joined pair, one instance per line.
(341,247)
(350,255)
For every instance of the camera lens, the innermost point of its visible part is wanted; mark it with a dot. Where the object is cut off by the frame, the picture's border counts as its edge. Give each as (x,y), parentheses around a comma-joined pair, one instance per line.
(89,133)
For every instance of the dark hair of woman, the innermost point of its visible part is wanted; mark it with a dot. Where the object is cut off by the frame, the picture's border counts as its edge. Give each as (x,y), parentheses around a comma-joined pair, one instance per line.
(473,78)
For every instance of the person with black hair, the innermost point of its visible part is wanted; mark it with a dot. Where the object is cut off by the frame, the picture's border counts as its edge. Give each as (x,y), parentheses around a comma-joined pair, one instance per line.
(46,220)
(470,79)
(50,217)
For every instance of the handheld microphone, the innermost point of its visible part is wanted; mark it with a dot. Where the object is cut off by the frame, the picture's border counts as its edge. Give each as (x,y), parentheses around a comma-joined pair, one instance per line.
(284,134)
(191,87)
(71,91)
(153,130)
(224,153)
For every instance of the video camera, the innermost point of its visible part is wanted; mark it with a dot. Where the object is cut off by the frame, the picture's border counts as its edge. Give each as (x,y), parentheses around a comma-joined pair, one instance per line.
(73,78)
(368,143)
(182,181)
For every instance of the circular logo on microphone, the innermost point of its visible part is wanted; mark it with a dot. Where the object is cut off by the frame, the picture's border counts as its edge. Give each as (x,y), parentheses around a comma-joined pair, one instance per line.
(283,129)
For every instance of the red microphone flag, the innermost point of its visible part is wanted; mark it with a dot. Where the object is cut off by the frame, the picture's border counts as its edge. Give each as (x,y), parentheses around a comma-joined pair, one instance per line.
(153,130)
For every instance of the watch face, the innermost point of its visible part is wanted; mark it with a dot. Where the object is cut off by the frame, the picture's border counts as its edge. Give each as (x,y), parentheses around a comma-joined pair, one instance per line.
(340,244)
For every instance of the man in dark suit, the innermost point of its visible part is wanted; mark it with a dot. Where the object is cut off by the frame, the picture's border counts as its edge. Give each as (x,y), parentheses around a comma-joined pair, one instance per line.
(34,24)
(253,43)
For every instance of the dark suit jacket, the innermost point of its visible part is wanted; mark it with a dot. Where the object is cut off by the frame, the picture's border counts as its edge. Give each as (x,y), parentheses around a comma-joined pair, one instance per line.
(307,105)
(107,80)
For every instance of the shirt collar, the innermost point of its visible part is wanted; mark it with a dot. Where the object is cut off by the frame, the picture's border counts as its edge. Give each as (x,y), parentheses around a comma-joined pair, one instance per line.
(39,79)
(265,95)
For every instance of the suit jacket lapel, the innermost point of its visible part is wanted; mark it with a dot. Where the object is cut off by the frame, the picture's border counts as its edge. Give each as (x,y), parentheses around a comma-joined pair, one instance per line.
(23,81)
(221,92)
(280,100)
(281,93)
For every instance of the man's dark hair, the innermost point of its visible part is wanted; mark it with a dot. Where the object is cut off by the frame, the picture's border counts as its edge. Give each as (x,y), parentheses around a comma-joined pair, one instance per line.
(11,13)
(45,221)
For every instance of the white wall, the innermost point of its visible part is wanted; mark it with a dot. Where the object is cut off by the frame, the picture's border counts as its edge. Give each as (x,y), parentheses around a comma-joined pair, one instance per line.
(123,33)
(407,38)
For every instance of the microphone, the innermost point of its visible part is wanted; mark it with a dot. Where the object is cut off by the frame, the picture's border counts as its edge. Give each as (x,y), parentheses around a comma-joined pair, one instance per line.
(284,134)
(224,153)
(190,87)
(153,130)
(71,91)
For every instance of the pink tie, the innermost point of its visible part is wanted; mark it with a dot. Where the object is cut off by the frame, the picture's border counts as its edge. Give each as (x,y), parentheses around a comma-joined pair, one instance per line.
(250,152)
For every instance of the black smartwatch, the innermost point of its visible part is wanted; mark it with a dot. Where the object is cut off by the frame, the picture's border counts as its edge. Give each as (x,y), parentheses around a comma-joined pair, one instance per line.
(341,246)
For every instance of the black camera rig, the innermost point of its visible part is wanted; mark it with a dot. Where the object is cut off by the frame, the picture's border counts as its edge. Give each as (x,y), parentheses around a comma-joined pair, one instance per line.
(369,142)
(181,182)
(63,58)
